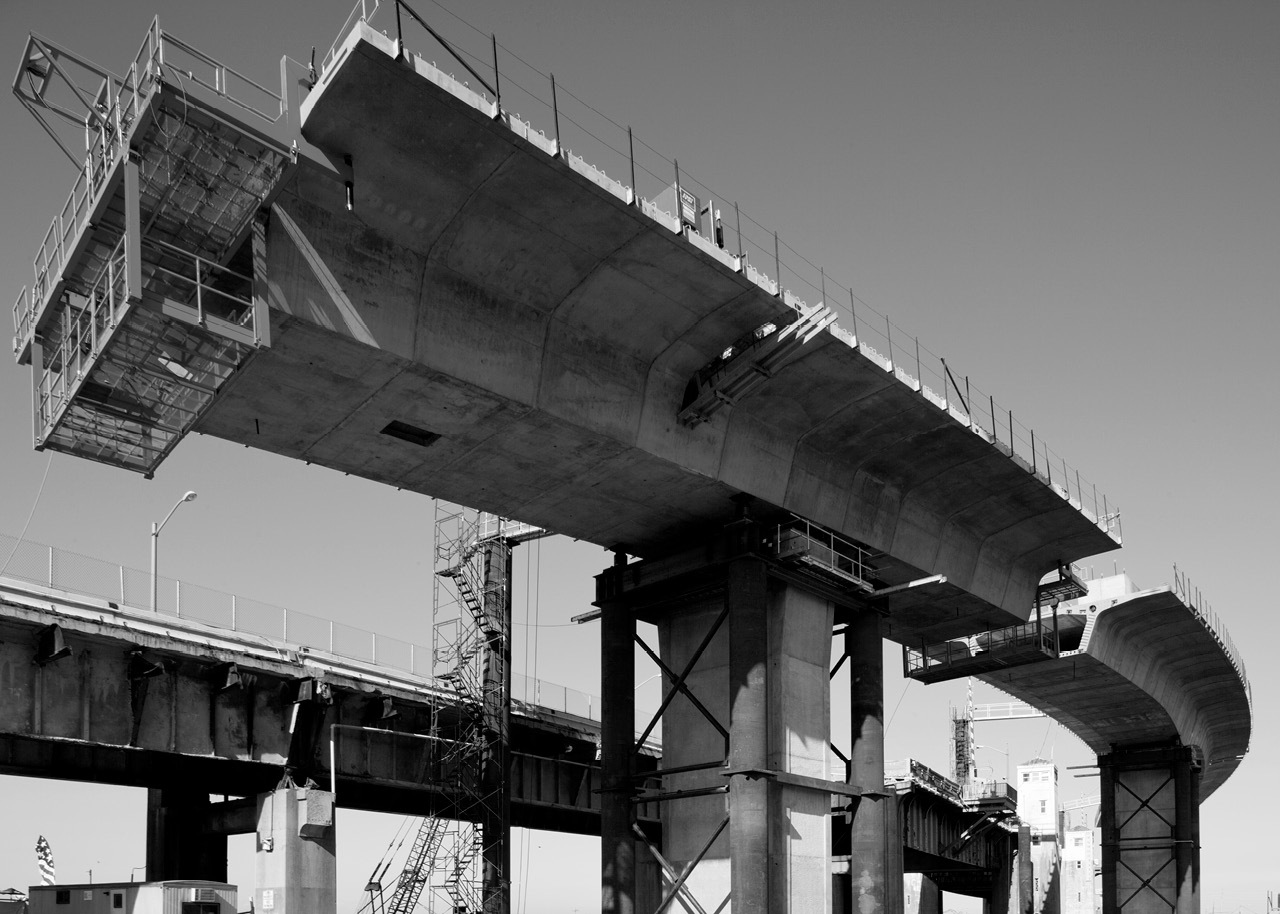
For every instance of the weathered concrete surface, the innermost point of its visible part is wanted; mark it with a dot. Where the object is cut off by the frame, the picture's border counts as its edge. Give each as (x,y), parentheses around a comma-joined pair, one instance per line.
(485,292)
(1148,671)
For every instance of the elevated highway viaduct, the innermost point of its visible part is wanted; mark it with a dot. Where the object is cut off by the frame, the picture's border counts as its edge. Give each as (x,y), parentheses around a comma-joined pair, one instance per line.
(397,279)
(94,690)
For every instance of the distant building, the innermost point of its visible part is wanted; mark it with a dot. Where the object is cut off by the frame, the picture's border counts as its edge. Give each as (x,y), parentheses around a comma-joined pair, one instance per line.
(1038,797)
(1078,884)
(175,896)
(12,902)
(1038,809)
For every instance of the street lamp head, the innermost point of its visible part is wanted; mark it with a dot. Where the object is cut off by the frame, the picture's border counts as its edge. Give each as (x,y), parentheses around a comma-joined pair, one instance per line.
(190,496)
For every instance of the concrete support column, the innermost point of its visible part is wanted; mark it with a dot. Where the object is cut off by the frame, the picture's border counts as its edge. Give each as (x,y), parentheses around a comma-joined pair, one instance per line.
(869,866)
(1000,900)
(618,846)
(1024,872)
(297,869)
(1187,835)
(179,844)
(495,808)
(747,593)
(1150,830)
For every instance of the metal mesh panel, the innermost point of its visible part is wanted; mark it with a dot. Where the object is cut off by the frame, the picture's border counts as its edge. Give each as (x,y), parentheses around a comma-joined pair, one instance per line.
(352,642)
(28,562)
(308,630)
(137,588)
(259,618)
(204,604)
(395,653)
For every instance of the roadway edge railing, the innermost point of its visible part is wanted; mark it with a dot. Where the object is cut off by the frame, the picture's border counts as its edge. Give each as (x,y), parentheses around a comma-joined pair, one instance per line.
(1192,598)
(59,569)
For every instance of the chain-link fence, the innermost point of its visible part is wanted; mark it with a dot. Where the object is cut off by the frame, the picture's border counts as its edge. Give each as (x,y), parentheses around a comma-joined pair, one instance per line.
(129,589)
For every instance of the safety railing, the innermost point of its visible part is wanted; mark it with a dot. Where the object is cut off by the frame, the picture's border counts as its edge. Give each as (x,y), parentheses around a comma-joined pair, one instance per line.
(594,145)
(210,289)
(363,11)
(108,128)
(1013,639)
(910,771)
(105,150)
(975,791)
(814,544)
(182,59)
(80,339)
(1195,601)
(130,589)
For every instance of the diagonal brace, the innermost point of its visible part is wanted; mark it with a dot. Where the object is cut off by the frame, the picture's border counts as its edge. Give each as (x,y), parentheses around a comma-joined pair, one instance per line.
(678,683)
(689,867)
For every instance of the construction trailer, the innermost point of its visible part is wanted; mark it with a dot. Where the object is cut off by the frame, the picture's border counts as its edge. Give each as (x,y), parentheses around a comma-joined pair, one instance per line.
(173,896)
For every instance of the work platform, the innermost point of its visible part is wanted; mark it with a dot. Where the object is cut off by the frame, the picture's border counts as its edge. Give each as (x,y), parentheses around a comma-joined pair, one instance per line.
(141,303)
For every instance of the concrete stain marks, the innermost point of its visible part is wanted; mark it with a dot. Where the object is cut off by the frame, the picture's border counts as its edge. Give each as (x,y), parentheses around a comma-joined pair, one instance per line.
(491,341)
(755,458)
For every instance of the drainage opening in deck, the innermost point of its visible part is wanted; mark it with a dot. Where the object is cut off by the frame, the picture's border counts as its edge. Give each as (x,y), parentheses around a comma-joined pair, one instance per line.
(411,433)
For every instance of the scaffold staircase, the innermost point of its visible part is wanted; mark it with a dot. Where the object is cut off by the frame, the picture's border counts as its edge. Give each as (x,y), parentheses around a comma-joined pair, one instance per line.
(417,871)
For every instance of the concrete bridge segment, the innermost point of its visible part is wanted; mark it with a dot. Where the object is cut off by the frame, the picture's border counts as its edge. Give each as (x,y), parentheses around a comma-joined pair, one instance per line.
(484,292)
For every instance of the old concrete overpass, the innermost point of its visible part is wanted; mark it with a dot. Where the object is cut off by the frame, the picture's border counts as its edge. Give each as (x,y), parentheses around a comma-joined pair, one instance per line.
(398,279)
(96,690)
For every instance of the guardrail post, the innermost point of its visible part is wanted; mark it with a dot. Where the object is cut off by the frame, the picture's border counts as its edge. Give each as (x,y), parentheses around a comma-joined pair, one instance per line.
(233,613)
(631,152)
(497,86)
(555,114)
(777,257)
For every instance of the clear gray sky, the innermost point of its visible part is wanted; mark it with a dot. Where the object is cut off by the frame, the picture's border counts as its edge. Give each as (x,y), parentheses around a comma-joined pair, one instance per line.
(1076,204)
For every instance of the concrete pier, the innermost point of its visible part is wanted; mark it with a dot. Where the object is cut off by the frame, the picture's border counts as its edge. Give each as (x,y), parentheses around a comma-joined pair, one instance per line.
(746,642)
(297,864)
(1150,830)
(875,881)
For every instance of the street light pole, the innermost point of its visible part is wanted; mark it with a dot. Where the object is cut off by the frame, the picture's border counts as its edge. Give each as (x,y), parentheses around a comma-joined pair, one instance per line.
(155,540)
